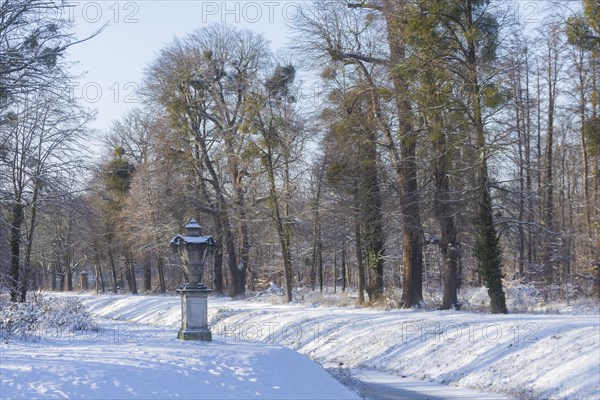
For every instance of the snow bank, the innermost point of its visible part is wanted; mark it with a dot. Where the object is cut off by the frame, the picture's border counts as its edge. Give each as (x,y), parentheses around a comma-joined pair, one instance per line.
(125,363)
(49,350)
(521,355)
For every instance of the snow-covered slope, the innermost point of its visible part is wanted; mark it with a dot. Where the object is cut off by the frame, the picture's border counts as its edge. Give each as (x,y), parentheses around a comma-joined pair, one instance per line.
(125,361)
(521,355)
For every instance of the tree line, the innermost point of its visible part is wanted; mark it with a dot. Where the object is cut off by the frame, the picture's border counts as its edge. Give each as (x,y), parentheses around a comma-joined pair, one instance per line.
(448,145)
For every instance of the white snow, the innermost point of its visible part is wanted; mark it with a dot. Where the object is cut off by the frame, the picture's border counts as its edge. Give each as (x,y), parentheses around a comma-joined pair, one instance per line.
(517,355)
(132,361)
(380,386)
(520,355)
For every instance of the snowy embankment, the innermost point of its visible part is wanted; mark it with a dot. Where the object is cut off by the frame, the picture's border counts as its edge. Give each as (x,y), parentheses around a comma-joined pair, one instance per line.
(520,355)
(119,360)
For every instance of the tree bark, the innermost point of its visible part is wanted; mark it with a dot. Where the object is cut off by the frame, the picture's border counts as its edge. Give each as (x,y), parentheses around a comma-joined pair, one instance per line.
(131,276)
(444,215)
(487,249)
(236,270)
(317,257)
(374,237)
(16,223)
(148,275)
(412,246)
(160,266)
(359,259)
(113,269)
(99,278)
(283,232)
(218,258)
(343,266)
(548,204)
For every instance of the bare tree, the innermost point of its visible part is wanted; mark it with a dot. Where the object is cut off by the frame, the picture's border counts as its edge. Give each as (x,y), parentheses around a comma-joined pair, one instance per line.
(42,136)
(275,122)
(34,35)
(203,82)
(328,25)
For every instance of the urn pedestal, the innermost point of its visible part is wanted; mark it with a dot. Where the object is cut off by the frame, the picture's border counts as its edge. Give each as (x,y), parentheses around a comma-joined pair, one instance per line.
(194,313)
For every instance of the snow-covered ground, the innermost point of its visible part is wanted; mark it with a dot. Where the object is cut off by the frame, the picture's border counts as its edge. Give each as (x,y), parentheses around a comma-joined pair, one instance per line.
(123,361)
(522,356)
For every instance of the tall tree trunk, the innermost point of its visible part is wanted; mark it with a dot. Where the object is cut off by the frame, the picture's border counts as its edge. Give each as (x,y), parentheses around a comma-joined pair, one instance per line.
(148,275)
(320,261)
(218,259)
(520,128)
(548,205)
(160,266)
(316,251)
(584,151)
(54,273)
(237,271)
(444,215)
(343,266)
(335,272)
(202,163)
(317,256)
(283,232)
(69,276)
(528,167)
(240,283)
(487,247)
(131,278)
(16,222)
(359,259)
(412,288)
(538,257)
(238,277)
(24,283)
(98,267)
(113,269)
(431,85)
(236,287)
(373,234)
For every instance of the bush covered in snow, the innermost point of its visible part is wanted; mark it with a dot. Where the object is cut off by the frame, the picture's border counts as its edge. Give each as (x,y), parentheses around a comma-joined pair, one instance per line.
(44,313)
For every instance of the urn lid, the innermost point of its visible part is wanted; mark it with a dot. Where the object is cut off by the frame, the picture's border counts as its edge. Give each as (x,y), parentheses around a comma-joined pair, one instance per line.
(193,228)
(193,236)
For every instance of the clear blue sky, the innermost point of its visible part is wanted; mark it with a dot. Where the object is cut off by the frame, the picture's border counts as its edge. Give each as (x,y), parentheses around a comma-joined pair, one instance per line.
(114,61)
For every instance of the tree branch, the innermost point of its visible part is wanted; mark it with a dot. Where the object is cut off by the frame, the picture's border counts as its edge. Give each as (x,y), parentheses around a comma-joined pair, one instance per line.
(365,5)
(339,55)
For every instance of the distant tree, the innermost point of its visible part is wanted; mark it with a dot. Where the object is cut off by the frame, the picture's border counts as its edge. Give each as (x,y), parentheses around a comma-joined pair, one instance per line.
(583,34)
(277,140)
(353,169)
(434,91)
(473,41)
(591,9)
(341,41)
(34,36)
(202,82)
(115,179)
(41,136)
(137,134)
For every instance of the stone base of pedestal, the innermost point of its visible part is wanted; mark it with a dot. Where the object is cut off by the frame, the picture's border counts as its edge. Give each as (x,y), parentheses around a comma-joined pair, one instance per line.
(194,313)
(194,335)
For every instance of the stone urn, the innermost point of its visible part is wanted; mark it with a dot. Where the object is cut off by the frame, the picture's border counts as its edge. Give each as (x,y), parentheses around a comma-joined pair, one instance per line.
(193,249)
